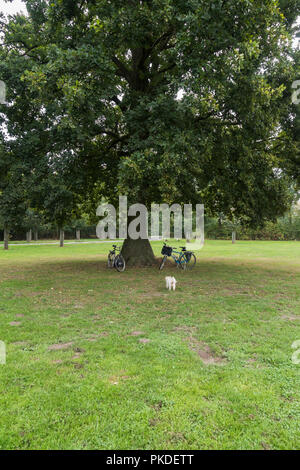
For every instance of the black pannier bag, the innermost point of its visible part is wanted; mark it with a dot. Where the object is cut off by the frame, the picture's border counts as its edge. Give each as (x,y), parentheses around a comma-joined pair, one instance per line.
(166,250)
(188,255)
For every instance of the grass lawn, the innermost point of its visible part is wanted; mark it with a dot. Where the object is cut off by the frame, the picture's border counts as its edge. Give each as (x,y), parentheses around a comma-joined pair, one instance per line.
(102,360)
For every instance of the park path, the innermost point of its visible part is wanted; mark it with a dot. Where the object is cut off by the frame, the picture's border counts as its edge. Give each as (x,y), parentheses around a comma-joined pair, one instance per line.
(65,243)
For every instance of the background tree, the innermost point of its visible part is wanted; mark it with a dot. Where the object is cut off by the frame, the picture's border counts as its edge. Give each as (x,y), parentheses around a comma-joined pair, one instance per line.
(12,194)
(33,222)
(58,204)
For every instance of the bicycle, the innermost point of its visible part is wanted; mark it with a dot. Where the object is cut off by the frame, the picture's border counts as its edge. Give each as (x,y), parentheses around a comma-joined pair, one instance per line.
(116,260)
(183,259)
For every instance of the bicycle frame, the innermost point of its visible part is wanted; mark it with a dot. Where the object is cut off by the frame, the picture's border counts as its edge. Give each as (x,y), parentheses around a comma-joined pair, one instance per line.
(115,251)
(180,259)
(115,259)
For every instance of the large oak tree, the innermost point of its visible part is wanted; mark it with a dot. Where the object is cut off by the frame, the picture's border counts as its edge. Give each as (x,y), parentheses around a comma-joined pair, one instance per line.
(166,101)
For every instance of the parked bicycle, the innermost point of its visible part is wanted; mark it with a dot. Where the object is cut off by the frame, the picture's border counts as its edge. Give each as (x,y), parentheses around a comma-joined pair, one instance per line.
(115,259)
(183,259)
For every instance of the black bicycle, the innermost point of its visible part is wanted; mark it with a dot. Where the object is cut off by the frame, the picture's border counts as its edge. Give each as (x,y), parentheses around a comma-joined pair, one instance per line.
(115,259)
(183,259)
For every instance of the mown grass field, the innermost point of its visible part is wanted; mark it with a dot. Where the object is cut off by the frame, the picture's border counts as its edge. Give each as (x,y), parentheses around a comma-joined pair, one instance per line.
(102,360)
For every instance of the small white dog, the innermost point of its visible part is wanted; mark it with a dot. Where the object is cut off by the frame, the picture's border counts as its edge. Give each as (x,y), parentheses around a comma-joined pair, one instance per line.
(170,282)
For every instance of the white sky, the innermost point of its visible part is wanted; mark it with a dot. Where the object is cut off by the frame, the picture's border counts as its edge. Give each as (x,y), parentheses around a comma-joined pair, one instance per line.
(9,8)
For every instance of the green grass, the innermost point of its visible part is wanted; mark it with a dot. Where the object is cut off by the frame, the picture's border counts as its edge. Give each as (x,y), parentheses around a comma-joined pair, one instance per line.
(238,309)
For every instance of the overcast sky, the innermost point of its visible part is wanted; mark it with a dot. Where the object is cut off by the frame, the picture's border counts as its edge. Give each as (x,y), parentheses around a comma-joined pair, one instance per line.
(12,7)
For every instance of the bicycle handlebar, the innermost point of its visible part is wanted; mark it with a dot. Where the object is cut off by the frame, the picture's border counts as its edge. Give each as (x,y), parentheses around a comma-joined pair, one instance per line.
(183,248)
(116,247)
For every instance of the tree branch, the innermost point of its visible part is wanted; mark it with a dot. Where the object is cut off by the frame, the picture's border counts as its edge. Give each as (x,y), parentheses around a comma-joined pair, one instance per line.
(165,69)
(123,70)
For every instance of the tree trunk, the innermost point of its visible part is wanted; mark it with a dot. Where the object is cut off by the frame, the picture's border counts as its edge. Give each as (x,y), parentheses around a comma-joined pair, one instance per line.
(29,236)
(36,235)
(61,238)
(138,252)
(78,235)
(234,236)
(6,238)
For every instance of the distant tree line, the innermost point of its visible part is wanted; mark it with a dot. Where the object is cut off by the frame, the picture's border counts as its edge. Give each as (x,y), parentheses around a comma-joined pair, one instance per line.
(50,232)
(218,228)
(285,228)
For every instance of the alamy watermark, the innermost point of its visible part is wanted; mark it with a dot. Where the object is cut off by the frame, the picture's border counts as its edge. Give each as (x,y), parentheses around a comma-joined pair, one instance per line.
(296,93)
(2,92)
(184,216)
(296,354)
(2,353)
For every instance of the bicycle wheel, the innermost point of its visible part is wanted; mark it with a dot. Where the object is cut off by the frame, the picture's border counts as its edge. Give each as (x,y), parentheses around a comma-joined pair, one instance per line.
(190,260)
(119,263)
(110,261)
(162,263)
